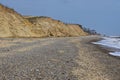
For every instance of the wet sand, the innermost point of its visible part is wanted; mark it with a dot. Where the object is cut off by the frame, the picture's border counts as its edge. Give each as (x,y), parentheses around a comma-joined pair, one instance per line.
(73,58)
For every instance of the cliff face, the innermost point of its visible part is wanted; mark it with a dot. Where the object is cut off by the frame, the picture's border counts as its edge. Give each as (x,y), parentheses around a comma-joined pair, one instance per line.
(50,27)
(12,24)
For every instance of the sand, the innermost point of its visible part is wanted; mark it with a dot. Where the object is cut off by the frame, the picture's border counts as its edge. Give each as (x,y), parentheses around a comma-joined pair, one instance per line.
(70,58)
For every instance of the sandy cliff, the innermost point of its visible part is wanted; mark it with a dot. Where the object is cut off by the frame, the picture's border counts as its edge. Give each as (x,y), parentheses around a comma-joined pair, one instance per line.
(12,24)
(50,27)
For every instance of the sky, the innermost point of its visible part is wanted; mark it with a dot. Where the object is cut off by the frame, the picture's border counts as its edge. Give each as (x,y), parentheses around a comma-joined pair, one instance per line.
(100,15)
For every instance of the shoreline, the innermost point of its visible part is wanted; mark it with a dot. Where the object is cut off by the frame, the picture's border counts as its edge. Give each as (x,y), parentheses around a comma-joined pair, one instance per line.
(105,49)
(99,64)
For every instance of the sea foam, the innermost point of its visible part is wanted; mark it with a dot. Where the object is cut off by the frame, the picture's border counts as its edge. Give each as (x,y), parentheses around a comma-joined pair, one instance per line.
(113,42)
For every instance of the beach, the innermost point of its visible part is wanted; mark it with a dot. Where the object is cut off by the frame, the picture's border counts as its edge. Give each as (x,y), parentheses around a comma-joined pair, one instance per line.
(64,58)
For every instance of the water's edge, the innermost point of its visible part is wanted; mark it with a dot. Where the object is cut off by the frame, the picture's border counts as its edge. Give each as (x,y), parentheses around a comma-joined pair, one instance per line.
(110,44)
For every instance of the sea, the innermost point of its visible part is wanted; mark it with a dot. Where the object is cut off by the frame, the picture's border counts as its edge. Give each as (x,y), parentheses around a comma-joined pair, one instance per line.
(113,42)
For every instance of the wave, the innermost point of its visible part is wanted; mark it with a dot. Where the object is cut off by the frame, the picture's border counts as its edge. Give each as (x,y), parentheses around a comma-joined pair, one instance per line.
(112,42)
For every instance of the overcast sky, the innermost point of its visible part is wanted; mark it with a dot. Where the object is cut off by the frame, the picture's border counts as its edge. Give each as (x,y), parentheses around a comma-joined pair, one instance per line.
(101,15)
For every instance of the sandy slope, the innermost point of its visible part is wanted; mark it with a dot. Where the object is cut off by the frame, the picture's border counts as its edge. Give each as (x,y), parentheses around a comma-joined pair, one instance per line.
(56,59)
(47,26)
(13,24)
